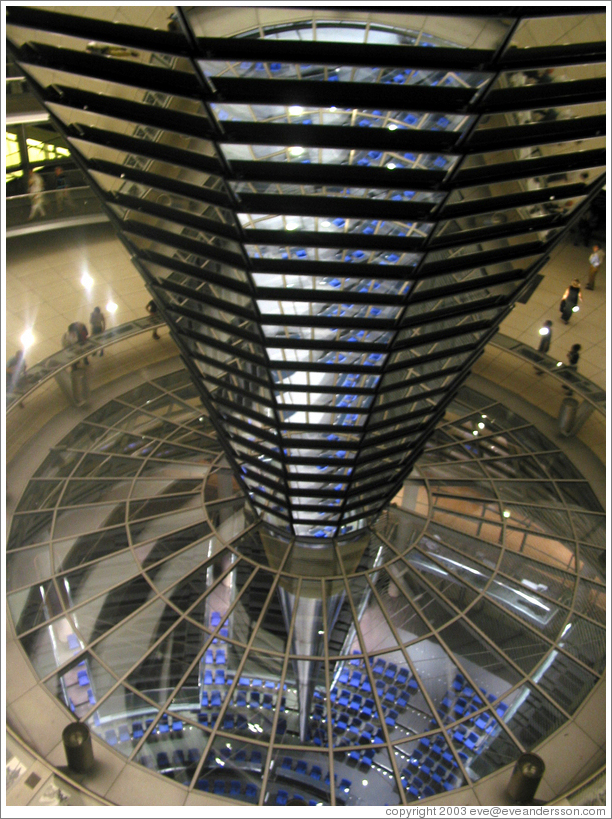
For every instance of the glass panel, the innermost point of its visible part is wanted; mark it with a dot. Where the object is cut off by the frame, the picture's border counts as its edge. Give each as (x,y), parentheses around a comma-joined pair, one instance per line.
(121,649)
(80,685)
(586,642)
(27,567)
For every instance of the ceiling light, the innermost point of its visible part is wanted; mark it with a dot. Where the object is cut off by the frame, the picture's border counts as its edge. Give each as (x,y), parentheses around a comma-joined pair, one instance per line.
(392,127)
(111,307)
(87,281)
(296,110)
(292,226)
(27,339)
(475,432)
(325,223)
(296,150)
(481,425)
(506,513)
(391,165)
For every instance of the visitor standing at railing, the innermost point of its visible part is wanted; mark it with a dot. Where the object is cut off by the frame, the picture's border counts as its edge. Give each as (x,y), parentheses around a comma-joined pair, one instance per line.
(98,325)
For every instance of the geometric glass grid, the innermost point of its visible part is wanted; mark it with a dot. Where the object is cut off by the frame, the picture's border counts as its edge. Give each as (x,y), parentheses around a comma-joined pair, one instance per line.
(440,158)
(445,639)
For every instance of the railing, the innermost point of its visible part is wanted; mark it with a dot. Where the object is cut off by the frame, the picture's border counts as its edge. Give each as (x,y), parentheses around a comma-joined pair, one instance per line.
(588,391)
(60,208)
(68,357)
(590,792)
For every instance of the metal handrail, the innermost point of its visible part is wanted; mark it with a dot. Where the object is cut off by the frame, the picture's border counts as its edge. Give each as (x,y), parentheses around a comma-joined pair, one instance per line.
(49,367)
(586,389)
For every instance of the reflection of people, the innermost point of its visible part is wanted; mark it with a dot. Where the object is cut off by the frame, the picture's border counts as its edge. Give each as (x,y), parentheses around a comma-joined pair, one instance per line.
(98,324)
(595,262)
(152,309)
(570,300)
(545,337)
(36,187)
(62,197)
(573,357)
(15,370)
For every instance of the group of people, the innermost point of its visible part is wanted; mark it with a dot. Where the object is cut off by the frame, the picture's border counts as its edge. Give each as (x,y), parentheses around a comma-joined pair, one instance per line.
(36,189)
(77,333)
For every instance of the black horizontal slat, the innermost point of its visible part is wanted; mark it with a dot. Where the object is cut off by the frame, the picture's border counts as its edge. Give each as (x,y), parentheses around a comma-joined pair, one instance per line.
(155,116)
(90,28)
(545,95)
(332,206)
(541,133)
(345,175)
(343,94)
(129,73)
(339,136)
(152,150)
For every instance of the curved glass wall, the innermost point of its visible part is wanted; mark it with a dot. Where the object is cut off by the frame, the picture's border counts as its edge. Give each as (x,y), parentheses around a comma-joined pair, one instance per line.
(462,627)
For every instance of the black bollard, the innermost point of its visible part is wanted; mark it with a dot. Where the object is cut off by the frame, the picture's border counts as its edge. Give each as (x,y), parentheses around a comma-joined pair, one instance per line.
(78,747)
(525,779)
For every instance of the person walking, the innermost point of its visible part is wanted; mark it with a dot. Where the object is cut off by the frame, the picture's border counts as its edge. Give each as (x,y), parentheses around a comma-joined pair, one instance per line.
(98,325)
(36,187)
(570,300)
(152,310)
(595,262)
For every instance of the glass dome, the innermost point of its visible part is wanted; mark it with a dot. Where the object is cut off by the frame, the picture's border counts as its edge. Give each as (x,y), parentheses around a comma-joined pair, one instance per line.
(461,628)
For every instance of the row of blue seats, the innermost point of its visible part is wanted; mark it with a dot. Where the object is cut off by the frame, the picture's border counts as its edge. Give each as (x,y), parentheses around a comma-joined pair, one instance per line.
(282,798)
(218,657)
(315,772)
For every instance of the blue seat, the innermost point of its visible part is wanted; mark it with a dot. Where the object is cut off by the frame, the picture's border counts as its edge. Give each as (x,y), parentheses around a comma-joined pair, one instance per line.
(345,785)
(255,699)
(250,792)
(208,677)
(163,726)
(301,767)
(282,797)
(162,761)
(215,619)
(219,787)
(137,730)
(256,683)
(177,726)
(235,788)
(228,722)
(391,670)
(147,761)
(215,699)
(110,736)
(241,700)
(208,656)
(355,679)
(267,701)
(193,756)
(178,758)
(316,772)
(83,677)
(202,785)
(220,656)
(91,697)
(73,642)
(124,733)
(256,758)
(220,677)
(204,699)
(203,718)
(287,763)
